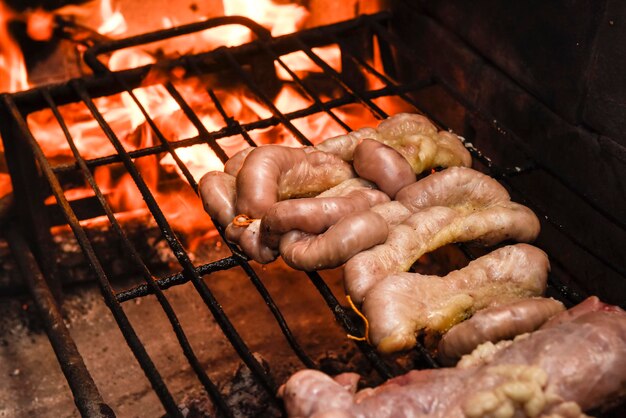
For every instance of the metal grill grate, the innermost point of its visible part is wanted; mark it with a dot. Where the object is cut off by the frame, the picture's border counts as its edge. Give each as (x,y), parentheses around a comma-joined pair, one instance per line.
(25,154)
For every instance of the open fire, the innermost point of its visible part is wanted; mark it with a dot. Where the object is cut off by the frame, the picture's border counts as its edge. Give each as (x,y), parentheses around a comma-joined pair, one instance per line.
(131,138)
(181,206)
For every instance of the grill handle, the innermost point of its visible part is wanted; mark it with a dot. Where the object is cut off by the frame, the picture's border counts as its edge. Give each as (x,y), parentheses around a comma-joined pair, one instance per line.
(98,67)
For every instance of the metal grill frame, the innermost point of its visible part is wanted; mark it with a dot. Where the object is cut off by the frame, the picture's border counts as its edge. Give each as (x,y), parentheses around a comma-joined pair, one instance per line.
(33,176)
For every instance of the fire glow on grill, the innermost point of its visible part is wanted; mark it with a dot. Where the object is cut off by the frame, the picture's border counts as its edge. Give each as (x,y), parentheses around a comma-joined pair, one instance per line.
(121,112)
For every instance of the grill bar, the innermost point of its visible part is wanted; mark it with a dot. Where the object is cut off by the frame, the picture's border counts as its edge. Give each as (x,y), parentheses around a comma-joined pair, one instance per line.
(209,386)
(178,249)
(265,50)
(267,101)
(211,141)
(248,127)
(86,395)
(123,323)
(178,278)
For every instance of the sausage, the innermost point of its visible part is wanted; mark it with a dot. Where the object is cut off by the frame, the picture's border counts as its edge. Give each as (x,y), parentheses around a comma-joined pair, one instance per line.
(234,163)
(393,212)
(382,165)
(343,145)
(451,151)
(350,235)
(272,173)
(405,243)
(418,140)
(314,215)
(411,135)
(249,239)
(496,324)
(456,187)
(217,191)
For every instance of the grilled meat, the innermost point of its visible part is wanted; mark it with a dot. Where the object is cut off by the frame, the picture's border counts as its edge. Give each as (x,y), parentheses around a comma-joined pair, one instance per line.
(460,188)
(574,366)
(381,164)
(218,193)
(401,305)
(234,163)
(496,324)
(315,215)
(353,233)
(272,173)
(432,228)
(411,135)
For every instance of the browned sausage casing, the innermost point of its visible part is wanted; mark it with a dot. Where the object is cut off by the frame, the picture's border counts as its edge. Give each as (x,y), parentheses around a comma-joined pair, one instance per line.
(432,228)
(456,187)
(314,215)
(234,163)
(217,190)
(435,304)
(272,173)
(350,235)
(496,324)
(383,165)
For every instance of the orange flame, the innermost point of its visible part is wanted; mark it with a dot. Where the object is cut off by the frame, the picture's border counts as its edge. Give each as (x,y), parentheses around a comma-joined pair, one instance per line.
(161,173)
(13,76)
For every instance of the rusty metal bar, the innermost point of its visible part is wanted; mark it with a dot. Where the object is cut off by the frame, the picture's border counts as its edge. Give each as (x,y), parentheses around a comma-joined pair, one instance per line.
(132,253)
(118,313)
(232,129)
(176,279)
(177,248)
(29,190)
(87,398)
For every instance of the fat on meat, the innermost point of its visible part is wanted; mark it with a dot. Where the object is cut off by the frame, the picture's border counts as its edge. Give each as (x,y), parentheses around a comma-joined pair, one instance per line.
(413,136)
(434,304)
(575,366)
(432,228)
(495,324)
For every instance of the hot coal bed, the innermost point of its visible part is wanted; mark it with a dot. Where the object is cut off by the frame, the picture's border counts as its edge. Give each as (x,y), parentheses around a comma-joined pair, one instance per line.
(543,114)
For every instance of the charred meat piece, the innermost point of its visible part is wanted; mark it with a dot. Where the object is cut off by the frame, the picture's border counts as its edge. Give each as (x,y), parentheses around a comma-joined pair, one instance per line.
(401,305)
(575,366)
(496,324)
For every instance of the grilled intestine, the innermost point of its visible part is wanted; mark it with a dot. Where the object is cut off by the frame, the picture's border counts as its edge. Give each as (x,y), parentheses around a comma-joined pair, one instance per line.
(430,229)
(411,135)
(496,324)
(434,304)
(273,173)
(306,205)
(575,365)
(383,165)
